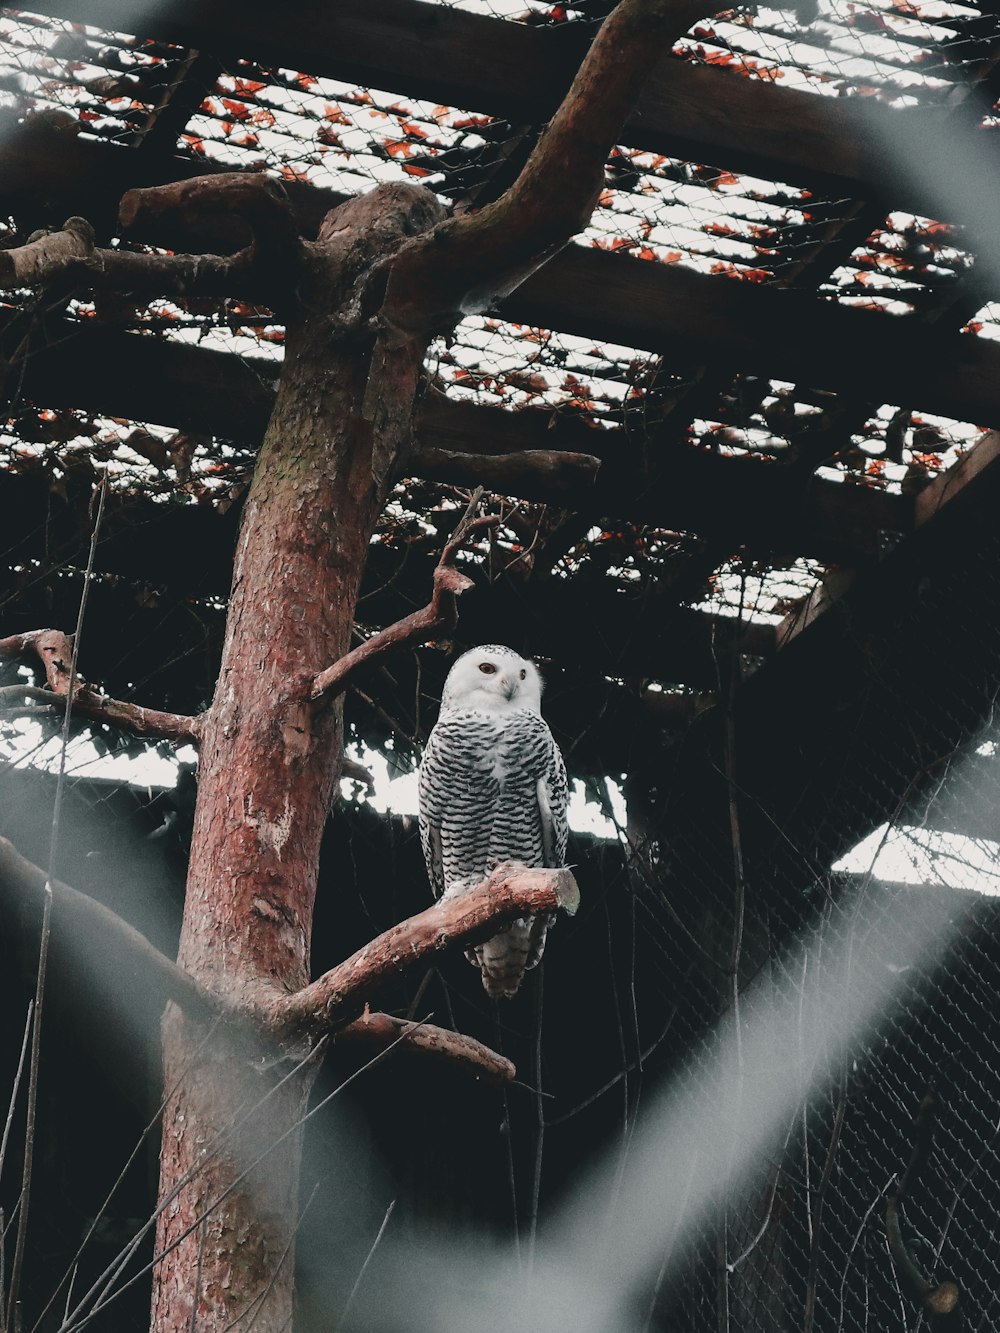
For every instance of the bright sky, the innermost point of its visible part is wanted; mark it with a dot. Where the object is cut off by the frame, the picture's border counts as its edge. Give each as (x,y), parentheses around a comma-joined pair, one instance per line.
(906,855)
(24,743)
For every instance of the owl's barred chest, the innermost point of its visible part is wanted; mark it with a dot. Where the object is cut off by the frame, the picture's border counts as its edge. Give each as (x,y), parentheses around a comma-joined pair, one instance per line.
(509,747)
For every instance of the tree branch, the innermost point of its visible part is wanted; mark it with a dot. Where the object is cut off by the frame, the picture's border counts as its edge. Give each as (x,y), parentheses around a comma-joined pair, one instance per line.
(71,253)
(483,256)
(56,653)
(177,275)
(98,931)
(454,1048)
(85,919)
(543,474)
(355,772)
(511,891)
(46,256)
(264,268)
(438,617)
(259,200)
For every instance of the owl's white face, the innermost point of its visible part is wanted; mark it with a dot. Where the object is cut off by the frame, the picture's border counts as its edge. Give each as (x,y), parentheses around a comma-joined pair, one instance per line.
(493,678)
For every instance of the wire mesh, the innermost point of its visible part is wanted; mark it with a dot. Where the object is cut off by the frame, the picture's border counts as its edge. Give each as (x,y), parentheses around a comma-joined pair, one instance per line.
(596,595)
(74,75)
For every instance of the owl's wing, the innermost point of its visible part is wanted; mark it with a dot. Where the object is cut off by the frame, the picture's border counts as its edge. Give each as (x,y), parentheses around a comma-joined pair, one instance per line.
(430,817)
(553,798)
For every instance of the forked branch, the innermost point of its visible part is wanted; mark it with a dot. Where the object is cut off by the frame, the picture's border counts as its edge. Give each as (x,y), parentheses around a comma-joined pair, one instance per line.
(261,269)
(439,617)
(55,650)
(481,256)
(101,934)
(511,891)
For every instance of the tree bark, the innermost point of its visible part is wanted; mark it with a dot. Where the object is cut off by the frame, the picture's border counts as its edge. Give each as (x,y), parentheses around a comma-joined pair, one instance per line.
(269,759)
(361,303)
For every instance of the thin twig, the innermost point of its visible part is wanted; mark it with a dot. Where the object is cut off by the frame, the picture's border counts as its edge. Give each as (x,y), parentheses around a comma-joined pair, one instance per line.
(812,1275)
(164,1102)
(439,616)
(69,1292)
(364,1267)
(43,950)
(178,1240)
(536,1175)
(34,1069)
(212,1151)
(508,1140)
(606,1087)
(424,983)
(12,1106)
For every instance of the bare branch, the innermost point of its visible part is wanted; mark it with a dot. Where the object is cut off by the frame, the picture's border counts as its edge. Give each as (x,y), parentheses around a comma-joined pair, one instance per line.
(454,1048)
(176,275)
(537,474)
(512,890)
(56,652)
(261,269)
(85,920)
(482,256)
(938,1300)
(13,696)
(185,206)
(53,647)
(97,929)
(71,253)
(146,723)
(48,255)
(19,645)
(355,772)
(438,617)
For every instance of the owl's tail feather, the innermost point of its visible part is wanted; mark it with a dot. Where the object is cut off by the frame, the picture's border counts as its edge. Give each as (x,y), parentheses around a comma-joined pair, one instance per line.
(504,959)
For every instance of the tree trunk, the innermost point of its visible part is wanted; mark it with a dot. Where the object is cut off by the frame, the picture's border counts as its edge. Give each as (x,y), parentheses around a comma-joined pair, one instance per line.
(386,270)
(269,761)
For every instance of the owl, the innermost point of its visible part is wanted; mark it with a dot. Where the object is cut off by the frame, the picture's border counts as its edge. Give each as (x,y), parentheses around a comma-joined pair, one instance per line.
(493,788)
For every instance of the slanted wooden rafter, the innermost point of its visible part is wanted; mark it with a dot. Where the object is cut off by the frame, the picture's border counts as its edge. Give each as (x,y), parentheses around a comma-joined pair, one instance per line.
(490,66)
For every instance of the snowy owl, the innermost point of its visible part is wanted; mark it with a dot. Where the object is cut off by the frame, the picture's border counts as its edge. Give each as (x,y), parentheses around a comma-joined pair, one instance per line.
(493,788)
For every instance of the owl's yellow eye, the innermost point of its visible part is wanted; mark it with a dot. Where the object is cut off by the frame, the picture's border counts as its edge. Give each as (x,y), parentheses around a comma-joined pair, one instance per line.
(487,668)
(523,674)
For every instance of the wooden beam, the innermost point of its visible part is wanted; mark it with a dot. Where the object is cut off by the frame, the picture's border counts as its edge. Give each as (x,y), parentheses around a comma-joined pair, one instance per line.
(735,501)
(922,507)
(508,69)
(782,333)
(191,84)
(947,486)
(188,549)
(610,297)
(844,729)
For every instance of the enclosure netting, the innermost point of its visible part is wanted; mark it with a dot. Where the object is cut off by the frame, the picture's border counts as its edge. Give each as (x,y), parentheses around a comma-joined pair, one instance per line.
(752,758)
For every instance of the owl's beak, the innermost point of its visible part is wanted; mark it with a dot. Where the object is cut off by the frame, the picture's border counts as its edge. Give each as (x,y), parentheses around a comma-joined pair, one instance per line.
(509,686)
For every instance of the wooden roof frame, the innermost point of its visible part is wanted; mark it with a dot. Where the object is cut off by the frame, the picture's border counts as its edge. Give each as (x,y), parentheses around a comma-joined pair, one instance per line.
(697,113)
